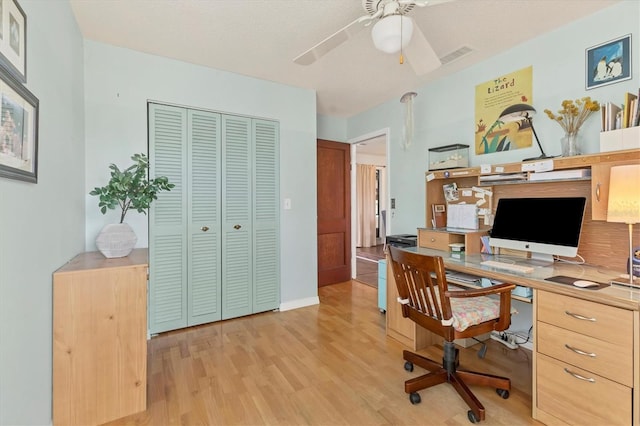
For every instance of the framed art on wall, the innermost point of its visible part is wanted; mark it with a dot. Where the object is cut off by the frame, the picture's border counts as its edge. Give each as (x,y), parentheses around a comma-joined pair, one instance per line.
(18,130)
(608,62)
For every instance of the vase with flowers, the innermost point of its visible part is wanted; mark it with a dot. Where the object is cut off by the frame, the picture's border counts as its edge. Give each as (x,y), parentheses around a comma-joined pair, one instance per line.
(571,117)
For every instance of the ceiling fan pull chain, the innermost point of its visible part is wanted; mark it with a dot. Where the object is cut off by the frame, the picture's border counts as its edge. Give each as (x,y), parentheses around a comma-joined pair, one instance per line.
(401,48)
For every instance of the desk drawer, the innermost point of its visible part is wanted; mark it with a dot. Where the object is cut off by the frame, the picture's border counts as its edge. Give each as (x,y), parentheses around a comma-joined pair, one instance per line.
(437,240)
(577,401)
(611,361)
(600,321)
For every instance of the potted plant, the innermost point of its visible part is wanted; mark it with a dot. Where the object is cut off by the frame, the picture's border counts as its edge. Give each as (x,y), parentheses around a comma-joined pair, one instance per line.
(127,189)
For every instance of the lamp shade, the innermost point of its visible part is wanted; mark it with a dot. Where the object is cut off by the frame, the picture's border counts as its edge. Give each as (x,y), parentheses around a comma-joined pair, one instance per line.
(389,32)
(517,112)
(624,194)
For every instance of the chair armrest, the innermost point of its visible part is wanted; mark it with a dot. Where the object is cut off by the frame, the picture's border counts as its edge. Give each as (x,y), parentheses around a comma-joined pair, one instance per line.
(485,291)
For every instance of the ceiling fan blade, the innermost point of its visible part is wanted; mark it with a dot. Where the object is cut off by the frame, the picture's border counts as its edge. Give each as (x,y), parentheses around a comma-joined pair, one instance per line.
(420,54)
(423,3)
(331,42)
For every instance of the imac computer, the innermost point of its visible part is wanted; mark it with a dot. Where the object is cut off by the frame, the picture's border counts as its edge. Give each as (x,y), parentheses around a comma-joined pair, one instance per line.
(546,227)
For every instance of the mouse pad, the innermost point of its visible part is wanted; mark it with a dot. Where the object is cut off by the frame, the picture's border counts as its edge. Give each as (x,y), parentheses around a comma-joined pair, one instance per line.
(563,279)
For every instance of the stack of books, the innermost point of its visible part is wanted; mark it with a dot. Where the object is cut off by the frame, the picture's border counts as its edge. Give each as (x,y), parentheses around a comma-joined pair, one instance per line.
(614,116)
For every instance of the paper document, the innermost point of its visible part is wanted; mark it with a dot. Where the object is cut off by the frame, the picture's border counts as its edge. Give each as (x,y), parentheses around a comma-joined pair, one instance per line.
(462,216)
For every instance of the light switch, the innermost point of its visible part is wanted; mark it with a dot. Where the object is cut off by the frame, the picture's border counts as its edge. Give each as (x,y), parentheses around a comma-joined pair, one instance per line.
(287,203)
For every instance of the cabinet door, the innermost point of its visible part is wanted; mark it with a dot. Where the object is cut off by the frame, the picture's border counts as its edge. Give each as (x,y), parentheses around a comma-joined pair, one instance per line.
(599,191)
(266,209)
(168,220)
(237,270)
(203,257)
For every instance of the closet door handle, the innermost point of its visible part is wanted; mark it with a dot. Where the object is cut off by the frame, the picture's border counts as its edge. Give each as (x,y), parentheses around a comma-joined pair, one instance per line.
(205,228)
(237,227)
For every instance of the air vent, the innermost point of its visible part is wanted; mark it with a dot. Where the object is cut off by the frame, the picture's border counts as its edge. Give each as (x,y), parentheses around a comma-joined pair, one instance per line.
(458,53)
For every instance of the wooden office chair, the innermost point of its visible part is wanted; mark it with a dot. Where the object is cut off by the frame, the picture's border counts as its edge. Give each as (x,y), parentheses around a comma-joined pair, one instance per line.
(452,314)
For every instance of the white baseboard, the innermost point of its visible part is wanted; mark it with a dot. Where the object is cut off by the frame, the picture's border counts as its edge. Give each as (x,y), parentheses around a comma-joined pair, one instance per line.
(299,303)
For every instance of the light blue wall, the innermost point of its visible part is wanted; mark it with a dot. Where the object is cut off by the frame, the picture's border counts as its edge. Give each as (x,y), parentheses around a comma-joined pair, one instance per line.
(332,128)
(41,225)
(118,84)
(444,109)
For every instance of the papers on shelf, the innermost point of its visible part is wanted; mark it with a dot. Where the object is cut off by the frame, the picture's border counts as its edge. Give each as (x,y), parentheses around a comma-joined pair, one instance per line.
(462,216)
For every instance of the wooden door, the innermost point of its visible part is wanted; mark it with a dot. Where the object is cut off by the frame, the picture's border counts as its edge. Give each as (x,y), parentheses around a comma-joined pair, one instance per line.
(334,212)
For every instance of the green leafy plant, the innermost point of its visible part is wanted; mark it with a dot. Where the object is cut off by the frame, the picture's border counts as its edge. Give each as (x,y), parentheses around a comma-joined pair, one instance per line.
(130,188)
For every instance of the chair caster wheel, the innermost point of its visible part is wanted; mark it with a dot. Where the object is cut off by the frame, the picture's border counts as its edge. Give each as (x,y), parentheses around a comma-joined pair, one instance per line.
(414,397)
(472,417)
(408,366)
(503,393)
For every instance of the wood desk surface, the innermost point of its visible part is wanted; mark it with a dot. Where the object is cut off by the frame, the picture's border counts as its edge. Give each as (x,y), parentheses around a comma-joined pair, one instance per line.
(613,295)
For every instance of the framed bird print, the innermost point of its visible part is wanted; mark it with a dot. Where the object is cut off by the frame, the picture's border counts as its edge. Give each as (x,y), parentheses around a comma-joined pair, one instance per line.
(609,62)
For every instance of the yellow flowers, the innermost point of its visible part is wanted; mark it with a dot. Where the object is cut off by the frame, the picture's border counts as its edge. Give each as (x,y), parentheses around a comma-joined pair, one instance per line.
(574,114)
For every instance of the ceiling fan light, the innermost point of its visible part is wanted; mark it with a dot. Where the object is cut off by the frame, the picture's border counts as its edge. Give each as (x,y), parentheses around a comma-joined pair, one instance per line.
(386,33)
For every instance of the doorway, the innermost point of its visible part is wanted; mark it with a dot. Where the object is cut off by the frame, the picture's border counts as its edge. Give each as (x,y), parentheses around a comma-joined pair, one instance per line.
(369,216)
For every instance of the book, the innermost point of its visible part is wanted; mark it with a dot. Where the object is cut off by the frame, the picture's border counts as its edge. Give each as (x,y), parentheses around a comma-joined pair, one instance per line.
(439,215)
(612,114)
(628,100)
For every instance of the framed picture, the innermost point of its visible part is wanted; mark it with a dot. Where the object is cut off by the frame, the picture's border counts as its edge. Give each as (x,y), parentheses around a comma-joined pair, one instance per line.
(608,62)
(18,130)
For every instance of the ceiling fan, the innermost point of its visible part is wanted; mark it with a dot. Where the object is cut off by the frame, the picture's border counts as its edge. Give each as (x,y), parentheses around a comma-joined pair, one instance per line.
(392,32)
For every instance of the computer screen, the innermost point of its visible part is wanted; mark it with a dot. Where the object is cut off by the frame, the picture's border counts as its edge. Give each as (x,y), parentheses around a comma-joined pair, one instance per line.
(543,226)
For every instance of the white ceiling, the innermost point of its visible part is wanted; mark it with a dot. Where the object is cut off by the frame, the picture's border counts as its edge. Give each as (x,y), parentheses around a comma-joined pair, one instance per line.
(260,38)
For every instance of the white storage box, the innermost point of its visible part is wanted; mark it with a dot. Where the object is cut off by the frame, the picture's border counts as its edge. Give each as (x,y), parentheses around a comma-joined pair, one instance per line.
(621,139)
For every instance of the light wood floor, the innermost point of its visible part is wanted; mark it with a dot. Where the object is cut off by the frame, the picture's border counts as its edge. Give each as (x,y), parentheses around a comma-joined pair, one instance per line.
(329,364)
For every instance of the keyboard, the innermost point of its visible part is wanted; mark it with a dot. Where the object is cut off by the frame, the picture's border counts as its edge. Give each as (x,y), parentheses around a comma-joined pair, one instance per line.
(512,267)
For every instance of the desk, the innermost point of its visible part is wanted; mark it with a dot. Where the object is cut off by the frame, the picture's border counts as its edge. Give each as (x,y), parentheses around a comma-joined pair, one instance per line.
(611,331)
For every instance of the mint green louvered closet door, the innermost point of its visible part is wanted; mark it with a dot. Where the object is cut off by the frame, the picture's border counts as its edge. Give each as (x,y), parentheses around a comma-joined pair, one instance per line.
(211,254)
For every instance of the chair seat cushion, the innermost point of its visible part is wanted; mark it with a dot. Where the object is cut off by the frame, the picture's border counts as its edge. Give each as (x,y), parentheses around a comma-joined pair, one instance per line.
(472,311)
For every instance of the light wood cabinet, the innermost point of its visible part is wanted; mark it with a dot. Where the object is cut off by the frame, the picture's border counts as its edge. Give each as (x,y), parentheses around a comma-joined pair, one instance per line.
(99,338)
(440,239)
(584,364)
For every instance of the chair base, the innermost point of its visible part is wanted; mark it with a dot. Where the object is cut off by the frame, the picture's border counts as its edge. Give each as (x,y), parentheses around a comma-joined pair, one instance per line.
(459,379)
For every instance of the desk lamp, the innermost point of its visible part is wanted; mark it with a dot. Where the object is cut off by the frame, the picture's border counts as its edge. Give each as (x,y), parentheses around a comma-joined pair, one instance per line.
(624,205)
(521,112)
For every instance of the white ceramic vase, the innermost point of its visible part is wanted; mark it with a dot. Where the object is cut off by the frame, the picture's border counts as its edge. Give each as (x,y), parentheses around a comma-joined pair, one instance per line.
(116,240)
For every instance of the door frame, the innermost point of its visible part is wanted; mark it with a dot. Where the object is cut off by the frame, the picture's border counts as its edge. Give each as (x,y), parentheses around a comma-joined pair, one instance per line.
(386,132)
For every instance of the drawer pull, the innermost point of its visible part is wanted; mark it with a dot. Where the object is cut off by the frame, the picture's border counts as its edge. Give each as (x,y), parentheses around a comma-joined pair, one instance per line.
(598,191)
(433,240)
(580,317)
(577,376)
(579,352)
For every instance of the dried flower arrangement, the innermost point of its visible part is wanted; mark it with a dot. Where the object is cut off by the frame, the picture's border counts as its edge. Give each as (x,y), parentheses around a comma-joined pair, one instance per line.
(574,113)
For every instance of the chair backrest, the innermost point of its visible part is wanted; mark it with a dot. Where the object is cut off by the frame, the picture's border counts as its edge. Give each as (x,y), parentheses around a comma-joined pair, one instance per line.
(427,300)
(422,285)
